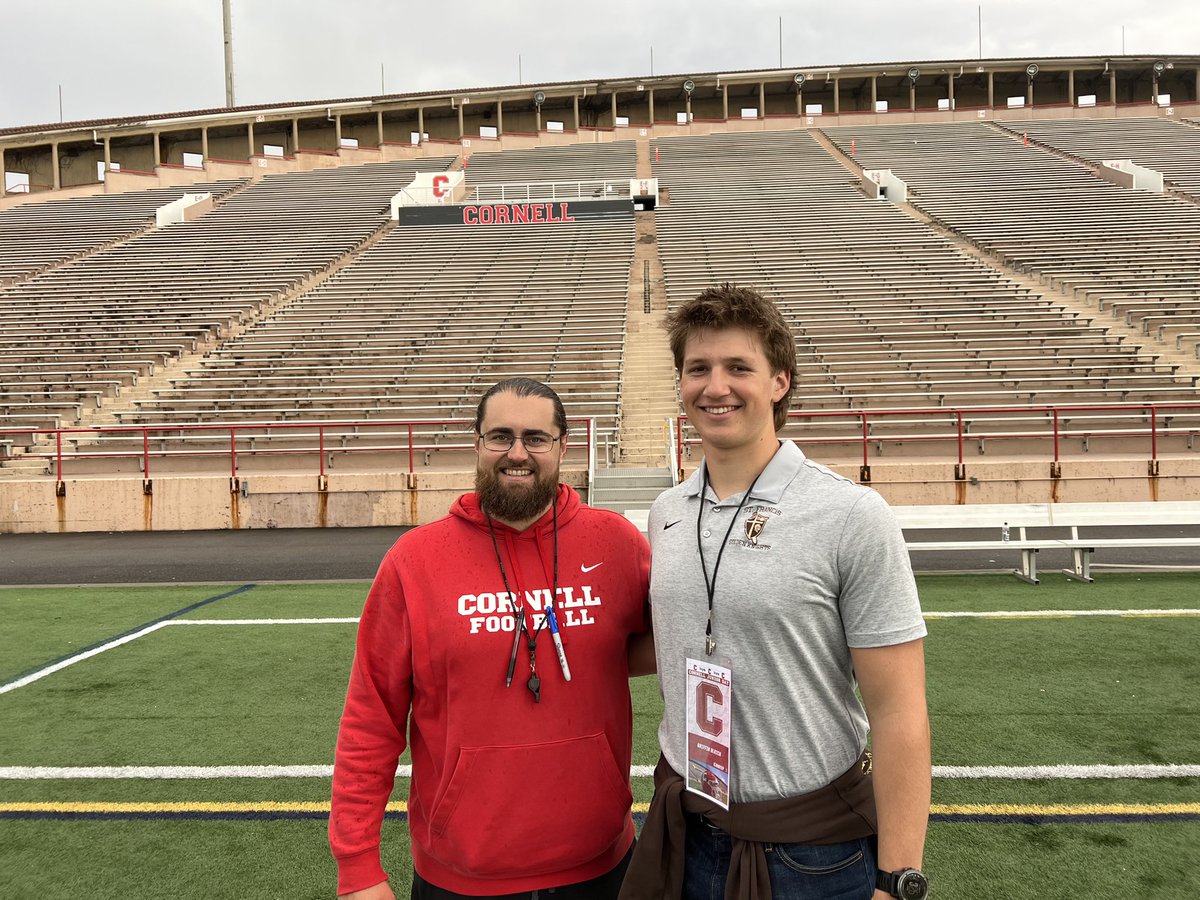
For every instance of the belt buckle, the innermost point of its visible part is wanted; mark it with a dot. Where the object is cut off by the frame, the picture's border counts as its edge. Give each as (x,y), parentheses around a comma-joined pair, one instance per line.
(868,763)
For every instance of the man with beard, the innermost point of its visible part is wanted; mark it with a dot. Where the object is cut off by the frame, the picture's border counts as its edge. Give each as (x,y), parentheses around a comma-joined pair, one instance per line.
(499,636)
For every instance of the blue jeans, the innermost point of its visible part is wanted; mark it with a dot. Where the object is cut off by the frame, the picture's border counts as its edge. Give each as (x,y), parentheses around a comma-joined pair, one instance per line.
(798,871)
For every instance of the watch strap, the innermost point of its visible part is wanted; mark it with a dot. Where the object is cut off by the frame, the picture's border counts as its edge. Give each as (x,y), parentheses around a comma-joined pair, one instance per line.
(889,882)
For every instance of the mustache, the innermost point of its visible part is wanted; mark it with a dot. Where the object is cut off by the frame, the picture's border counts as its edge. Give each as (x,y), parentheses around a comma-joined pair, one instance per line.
(511,502)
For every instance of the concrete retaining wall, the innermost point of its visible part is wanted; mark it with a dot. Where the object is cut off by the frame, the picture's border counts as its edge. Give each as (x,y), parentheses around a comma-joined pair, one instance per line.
(187,503)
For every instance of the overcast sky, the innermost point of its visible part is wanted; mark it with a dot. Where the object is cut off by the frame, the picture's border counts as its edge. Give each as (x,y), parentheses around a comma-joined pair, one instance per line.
(135,57)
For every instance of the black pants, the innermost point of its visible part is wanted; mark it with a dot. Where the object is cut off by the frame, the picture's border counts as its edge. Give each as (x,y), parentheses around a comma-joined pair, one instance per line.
(603,887)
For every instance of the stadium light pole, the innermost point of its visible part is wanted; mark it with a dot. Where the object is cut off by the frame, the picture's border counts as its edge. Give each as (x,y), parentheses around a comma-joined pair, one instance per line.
(781,42)
(227,18)
(979,20)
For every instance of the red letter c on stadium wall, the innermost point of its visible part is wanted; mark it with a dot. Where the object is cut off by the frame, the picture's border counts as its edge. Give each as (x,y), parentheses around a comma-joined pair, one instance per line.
(704,694)
(439,185)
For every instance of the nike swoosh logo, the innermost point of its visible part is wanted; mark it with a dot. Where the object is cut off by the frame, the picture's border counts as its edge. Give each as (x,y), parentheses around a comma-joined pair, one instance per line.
(586,569)
(672,524)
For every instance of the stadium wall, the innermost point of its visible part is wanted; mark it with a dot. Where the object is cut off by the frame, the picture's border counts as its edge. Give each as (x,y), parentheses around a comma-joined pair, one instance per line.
(192,503)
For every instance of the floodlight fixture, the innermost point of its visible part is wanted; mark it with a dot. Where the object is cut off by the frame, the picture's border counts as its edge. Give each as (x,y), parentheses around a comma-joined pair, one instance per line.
(913,74)
(689,86)
(1159,68)
(539,97)
(1031,69)
(799,78)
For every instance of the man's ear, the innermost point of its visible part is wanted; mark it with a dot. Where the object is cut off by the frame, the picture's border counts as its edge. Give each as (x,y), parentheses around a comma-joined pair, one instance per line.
(783,380)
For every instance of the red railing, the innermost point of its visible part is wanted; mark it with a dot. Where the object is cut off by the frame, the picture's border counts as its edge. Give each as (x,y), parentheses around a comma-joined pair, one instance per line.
(347,432)
(958,427)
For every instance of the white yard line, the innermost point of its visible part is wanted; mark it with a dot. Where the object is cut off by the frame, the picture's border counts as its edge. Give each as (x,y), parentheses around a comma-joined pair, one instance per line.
(70,661)
(1033,773)
(1059,613)
(346,621)
(1016,773)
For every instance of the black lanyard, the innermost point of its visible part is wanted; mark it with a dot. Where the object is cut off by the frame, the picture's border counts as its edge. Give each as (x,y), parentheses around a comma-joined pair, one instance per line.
(711,585)
(534,683)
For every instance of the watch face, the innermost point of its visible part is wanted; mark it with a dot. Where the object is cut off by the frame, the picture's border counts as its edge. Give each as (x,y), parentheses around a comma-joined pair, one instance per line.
(912,886)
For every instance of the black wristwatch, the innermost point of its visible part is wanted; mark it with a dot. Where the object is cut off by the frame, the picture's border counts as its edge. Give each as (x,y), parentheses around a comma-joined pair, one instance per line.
(907,884)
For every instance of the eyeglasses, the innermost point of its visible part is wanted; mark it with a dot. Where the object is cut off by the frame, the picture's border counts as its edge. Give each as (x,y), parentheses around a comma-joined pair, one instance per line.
(534,442)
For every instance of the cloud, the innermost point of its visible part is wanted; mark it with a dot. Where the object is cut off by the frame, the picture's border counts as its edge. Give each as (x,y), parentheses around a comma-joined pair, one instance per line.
(129,57)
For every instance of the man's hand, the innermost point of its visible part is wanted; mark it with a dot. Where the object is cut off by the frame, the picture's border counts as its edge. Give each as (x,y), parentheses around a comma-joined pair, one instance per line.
(381,891)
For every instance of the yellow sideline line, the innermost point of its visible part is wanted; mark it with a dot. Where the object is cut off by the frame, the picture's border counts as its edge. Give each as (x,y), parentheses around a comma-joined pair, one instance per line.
(315,806)
(1064,809)
(1056,809)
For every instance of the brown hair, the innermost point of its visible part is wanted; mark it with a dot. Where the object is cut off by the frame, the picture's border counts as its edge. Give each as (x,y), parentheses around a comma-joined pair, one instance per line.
(729,306)
(523,387)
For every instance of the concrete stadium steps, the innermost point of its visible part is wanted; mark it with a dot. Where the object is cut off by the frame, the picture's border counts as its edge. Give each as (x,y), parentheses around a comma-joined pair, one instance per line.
(620,489)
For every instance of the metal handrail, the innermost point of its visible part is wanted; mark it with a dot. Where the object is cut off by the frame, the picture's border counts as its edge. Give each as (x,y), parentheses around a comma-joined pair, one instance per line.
(602,189)
(240,434)
(957,419)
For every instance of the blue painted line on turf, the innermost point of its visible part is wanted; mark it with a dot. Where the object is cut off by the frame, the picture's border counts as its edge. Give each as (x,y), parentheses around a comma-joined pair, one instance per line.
(134,630)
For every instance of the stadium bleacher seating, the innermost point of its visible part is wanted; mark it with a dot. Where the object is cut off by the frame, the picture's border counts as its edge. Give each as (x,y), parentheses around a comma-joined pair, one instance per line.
(34,236)
(425,320)
(173,290)
(887,313)
(573,162)
(1164,145)
(1131,253)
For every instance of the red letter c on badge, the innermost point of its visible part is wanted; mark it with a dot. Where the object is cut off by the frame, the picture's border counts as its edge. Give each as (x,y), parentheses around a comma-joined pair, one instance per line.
(707,696)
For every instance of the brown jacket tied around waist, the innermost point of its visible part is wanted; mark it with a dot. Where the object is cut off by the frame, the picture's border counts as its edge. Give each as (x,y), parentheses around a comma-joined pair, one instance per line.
(843,810)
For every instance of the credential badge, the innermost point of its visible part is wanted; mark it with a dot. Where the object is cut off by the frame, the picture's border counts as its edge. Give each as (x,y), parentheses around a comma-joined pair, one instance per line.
(754,527)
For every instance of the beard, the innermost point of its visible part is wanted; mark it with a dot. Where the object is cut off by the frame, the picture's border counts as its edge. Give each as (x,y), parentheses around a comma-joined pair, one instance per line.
(515,503)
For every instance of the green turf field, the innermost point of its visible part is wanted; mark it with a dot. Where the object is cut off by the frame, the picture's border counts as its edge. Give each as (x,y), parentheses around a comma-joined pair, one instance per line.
(1019,690)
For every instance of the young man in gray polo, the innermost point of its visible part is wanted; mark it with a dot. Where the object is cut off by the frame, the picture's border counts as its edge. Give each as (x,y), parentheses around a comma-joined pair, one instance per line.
(777,586)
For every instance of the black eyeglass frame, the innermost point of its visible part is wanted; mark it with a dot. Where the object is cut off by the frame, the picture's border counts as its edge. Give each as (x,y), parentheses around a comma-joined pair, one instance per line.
(509,439)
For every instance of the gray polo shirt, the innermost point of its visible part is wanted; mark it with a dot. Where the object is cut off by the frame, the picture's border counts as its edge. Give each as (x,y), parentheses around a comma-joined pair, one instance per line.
(815,564)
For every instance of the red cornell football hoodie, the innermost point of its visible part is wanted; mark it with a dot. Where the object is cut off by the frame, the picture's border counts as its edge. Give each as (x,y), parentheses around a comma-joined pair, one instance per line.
(507,795)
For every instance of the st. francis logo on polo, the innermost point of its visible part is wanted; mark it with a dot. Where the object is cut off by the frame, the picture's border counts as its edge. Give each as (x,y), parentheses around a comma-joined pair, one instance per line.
(754,526)
(757,519)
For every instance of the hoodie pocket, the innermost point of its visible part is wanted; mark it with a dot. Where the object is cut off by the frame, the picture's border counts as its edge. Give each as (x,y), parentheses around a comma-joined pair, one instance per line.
(530,809)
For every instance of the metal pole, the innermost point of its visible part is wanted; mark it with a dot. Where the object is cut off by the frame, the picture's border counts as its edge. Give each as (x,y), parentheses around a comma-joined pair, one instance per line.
(651,59)
(520,76)
(228,20)
(382,85)
(781,42)
(60,112)
(979,13)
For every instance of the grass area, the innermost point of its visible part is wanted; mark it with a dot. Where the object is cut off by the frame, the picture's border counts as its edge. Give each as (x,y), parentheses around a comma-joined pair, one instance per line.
(1118,590)
(1062,862)
(43,624)
(118,709)
(1005,691)
(1084,690)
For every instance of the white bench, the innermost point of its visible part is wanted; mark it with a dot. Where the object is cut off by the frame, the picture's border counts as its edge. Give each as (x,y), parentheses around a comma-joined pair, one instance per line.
(1052,515)
(1020,517)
